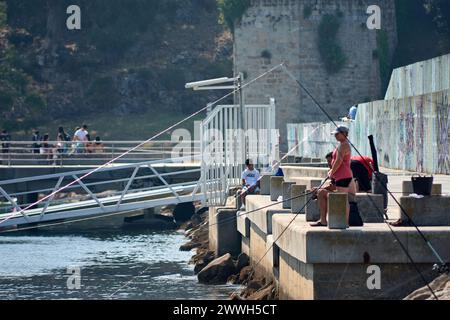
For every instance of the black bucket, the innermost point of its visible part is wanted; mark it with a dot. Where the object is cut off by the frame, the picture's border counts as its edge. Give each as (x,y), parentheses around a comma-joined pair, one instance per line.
(422,185)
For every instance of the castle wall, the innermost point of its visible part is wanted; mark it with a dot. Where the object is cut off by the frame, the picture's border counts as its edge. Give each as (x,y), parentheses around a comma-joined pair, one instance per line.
(276,31)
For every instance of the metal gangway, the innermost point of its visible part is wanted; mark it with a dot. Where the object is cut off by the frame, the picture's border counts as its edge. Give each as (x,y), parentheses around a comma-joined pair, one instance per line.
(143,186)
(229,135)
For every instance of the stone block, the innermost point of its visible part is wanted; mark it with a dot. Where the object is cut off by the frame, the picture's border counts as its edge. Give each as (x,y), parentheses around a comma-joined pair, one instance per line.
(337,211)
(276,188)
(245,245)
(262,218)
(293,172)
(371,207)
(287,189)
(224,235)
(298,204)
(312,209)
(265,185)
(427,211)
(309,182)
(243,224)
(373,242)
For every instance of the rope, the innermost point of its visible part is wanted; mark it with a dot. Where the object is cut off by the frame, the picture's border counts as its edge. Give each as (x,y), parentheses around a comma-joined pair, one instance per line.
(401,207)
(142,143)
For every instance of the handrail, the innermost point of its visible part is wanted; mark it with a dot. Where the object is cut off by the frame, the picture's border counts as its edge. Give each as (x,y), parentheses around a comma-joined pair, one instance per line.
(96,200)
(26,152)
(82,172)
(218,176)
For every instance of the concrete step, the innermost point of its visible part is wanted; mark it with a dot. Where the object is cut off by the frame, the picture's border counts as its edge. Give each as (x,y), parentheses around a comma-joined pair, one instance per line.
(427,211)
(263,218)
(294,172)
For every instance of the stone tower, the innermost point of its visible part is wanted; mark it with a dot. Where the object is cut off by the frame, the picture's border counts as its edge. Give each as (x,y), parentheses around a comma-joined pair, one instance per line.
(275,31)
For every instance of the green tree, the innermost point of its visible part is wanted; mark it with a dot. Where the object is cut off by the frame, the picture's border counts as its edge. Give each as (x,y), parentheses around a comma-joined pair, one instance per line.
(3,16)
(330,51)
(231,11)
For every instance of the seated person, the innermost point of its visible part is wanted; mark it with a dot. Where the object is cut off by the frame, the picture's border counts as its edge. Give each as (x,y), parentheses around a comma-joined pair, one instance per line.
(362,168)
(97,146)
(250,181)
(340,174)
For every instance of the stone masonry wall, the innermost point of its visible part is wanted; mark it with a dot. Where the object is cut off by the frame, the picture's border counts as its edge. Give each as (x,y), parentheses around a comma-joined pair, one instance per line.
(275,31)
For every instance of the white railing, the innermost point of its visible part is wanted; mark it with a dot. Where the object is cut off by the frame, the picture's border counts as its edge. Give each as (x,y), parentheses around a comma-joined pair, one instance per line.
(229,137)
(137,186)
(69,153)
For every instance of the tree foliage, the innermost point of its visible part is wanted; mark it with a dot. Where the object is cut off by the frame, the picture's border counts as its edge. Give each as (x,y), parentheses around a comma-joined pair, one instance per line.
(231,11)
(330,51)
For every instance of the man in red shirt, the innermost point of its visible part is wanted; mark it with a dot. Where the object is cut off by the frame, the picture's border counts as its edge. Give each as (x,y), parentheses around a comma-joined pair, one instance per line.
(362,168)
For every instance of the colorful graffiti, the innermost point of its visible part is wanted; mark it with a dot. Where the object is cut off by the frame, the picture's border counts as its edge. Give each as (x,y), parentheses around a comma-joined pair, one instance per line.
(443,119)
(411,134)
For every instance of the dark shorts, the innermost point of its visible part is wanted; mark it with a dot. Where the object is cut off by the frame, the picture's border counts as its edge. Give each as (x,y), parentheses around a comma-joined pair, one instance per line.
(361,175)
(344,183)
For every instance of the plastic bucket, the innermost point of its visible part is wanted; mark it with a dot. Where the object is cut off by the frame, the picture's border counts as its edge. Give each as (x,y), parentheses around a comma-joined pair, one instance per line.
(422,185)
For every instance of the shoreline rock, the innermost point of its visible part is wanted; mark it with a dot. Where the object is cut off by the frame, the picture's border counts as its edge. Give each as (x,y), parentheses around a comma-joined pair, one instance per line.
(214,270)
(440,286)
(217,271)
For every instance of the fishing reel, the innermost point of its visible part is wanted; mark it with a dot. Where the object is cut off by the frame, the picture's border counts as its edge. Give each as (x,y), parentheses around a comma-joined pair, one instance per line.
(441,268)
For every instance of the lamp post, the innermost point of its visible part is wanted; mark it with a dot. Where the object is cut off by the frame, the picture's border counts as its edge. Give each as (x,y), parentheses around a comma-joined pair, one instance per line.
(218,84)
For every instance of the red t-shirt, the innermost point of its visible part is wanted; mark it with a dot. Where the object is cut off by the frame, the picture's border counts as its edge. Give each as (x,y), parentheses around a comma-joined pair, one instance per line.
(367,162)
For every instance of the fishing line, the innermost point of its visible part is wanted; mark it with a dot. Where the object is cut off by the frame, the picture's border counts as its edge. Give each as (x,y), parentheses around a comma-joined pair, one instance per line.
(145,142)
(443,264)
(354,147)
(281,234)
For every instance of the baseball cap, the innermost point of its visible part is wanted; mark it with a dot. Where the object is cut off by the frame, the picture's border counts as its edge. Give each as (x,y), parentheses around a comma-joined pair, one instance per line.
(341,129)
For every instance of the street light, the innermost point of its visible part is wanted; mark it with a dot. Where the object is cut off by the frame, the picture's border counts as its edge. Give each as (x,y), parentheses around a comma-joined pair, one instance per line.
(219,84)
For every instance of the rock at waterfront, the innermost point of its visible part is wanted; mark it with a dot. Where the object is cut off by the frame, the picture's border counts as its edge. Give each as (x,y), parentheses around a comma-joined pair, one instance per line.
(242,261)
(440,286)
(203,261)
(189,246)
(266,293)
(183,212)
(217,271)
(245,274)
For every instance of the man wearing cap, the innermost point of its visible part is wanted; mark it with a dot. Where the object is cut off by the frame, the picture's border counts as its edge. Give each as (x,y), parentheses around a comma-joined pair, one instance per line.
(250,180)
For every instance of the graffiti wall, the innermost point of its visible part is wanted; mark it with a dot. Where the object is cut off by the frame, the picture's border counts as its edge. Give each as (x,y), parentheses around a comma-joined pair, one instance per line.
(410,134)
(420,78)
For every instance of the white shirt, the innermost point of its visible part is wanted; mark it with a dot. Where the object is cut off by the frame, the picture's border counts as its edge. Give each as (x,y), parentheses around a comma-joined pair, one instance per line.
(250,177)
(81,135)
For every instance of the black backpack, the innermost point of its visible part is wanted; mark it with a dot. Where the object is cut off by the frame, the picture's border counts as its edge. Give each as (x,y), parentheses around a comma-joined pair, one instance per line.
(355,218)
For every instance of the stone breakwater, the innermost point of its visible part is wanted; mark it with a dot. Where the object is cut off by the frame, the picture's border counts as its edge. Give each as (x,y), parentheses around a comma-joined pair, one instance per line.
(336,262)
(225,269)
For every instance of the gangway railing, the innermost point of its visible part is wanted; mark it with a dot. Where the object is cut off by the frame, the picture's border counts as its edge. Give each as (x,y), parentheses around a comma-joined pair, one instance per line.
(143,187)
(230,136)
(90,153)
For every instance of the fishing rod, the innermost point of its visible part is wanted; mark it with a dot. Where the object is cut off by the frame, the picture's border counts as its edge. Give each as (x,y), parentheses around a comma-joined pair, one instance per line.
(22,211)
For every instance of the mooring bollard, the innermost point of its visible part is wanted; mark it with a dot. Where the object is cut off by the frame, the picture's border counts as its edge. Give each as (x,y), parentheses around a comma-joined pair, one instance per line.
(276,188)
(298,201)
(265,185)
(337,211)
(287,187)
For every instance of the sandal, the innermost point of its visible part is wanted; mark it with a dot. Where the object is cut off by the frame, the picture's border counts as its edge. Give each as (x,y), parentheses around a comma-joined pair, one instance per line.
(400,223)
(318,224)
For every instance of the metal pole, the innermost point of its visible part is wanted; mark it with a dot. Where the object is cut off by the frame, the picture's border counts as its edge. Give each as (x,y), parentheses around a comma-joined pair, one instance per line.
(243,126)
